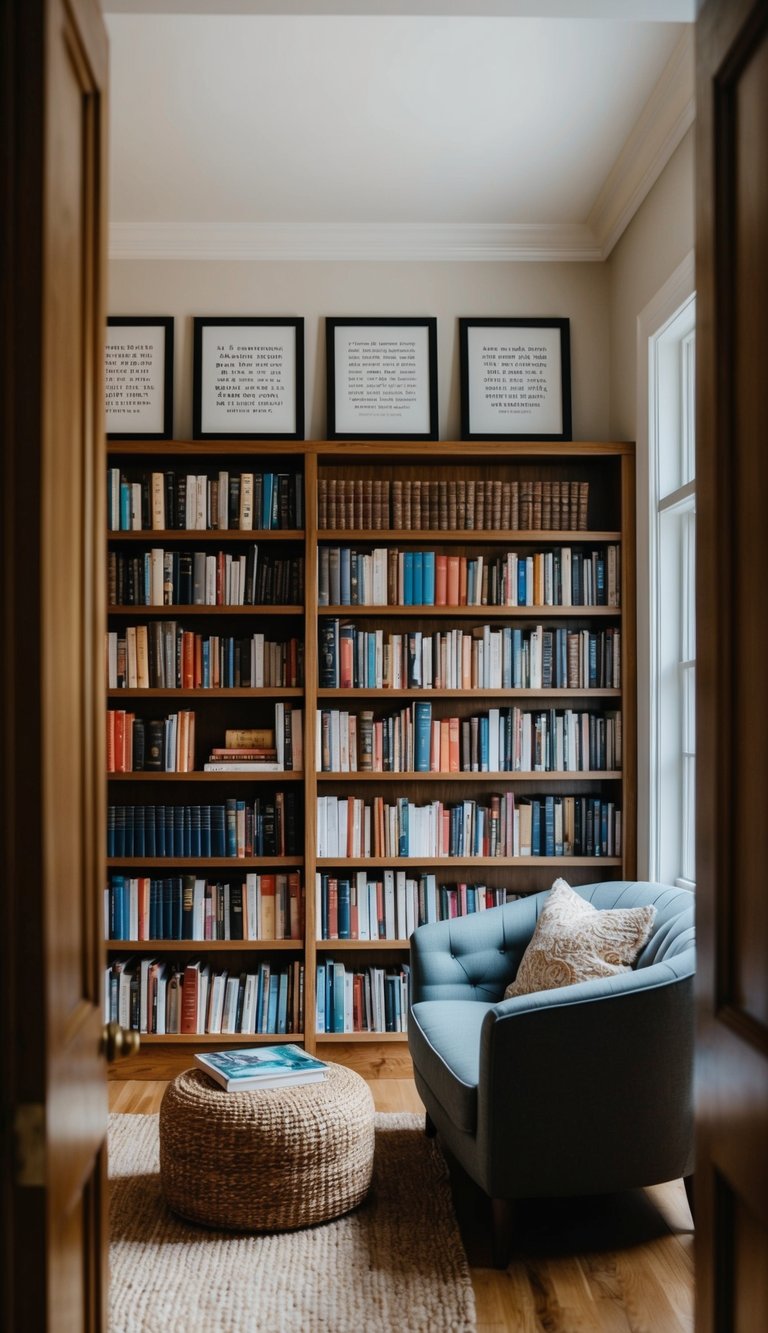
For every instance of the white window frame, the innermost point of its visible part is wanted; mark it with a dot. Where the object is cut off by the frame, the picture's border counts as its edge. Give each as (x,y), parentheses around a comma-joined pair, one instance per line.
(654,857)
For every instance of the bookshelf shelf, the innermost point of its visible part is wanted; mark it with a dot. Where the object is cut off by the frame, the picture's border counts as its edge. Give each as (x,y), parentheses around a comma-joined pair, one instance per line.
(181,611)
(602,775)
(237,777)
(235,863)
(462,862)
(189,536)
(474,612)
(509,696)
(204,695)
(205,946)
(465,536)
(608,468)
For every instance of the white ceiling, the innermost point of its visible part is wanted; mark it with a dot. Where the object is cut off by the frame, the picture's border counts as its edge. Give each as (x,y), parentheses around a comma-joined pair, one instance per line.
(270,127)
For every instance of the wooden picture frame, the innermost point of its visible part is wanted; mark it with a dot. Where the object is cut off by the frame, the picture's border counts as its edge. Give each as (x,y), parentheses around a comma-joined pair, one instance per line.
(515,379)
(382,378)
(248,378)
(138,377)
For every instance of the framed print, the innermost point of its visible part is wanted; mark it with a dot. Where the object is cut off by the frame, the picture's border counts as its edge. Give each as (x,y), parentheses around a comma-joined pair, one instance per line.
(138,377)
(382,378)
(248,381)
(515,379)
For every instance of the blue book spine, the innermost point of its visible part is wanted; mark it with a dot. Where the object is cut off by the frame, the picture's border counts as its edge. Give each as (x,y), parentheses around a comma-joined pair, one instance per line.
(178,830)
(536,828)
(150,835)
(274,982)
(138,831)
(345,576)
(329,1024)
(111,820)
(206,664)
(205,831)
(125,507)
(116,896)
(196,822)
(403,838)
(266,499)
(418,578)
(177,907)
(167,922)
(165,819)
(338,997)
(408,578)
(485,733)
(231,827)
(429,578)
(521,583)
(282,1002)
(320,997)
(218,830)
(130,849)
(345,909)
(549,825)
(423,735)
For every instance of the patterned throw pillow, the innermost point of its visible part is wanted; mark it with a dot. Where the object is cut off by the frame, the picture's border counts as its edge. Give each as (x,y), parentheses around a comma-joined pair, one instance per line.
(574,941)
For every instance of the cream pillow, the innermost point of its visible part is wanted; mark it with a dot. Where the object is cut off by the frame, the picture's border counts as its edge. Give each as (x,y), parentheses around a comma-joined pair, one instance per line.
(574,941)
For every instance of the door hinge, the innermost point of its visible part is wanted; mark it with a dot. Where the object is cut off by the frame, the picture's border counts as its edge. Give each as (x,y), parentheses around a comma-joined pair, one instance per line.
(29,1126)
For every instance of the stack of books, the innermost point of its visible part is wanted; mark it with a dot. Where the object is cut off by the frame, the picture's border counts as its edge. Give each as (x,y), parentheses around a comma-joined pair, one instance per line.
(252,1069)
(248,750)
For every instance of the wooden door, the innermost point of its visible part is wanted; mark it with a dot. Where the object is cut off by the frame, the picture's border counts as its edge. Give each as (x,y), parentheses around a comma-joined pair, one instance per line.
(732,610)
(53,804)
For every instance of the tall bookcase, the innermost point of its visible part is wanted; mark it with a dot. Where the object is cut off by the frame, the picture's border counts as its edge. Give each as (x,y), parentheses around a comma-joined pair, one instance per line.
(609,471)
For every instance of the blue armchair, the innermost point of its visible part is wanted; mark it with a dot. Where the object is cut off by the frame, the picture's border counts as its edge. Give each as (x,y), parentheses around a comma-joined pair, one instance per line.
(586,1089)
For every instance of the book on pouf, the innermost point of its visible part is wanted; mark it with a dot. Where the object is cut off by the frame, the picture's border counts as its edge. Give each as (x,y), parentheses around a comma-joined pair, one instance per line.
(252,1069)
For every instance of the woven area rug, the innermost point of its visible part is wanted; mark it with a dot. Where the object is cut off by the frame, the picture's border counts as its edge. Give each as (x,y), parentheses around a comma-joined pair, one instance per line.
(397,1262)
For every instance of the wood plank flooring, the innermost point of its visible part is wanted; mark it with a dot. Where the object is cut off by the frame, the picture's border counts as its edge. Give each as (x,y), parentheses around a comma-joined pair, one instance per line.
(616,1264)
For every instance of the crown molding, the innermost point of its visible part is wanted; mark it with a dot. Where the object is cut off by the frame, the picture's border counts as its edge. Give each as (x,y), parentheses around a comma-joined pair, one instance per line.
(667,115)
(401,241)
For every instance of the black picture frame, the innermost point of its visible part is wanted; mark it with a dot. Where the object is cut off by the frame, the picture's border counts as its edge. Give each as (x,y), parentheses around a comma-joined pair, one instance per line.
(277,381)
(122,396)
(350,415)
(513,388)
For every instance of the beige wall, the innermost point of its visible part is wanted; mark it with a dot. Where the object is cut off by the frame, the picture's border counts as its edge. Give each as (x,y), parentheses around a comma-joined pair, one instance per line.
(447,290)
(658,238)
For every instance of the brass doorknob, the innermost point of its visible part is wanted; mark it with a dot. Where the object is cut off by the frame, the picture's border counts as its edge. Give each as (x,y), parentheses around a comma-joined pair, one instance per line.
(117,1042)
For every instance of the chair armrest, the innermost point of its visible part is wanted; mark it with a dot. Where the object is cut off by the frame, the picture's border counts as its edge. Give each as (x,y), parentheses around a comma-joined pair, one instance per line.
(605,1072)
(471,957)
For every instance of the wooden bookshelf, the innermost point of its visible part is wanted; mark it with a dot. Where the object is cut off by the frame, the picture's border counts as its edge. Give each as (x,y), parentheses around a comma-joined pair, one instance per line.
(609,469)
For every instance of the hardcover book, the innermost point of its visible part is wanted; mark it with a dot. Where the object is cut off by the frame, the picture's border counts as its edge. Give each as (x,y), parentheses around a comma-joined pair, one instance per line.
(264,1067)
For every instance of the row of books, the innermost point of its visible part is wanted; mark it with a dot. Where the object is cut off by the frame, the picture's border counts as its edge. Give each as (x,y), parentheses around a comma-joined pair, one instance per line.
(266,826)
(159,577)
(160,501)
(188,907)
(162,997)
(465,504)
(563,576)
(391,905)
(478,658)
(500,740)
(163,655)
(371,999)
(167,745)
(503,825)
(163,745)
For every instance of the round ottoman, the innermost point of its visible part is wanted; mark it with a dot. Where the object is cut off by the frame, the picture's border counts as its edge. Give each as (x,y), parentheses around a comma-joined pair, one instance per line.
(268,1160)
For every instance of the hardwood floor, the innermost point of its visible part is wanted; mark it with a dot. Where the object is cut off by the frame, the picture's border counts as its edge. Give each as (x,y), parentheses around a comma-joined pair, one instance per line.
(616,1264)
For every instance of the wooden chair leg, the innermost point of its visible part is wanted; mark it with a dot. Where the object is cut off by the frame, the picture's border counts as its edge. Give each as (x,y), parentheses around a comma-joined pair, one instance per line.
(501,1243)
(430,1129)
(688,1182)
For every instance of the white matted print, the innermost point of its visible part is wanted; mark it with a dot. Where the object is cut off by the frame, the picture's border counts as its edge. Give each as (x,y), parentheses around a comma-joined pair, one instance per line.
(248,378)
(382,378)
(515,378)
(138,377)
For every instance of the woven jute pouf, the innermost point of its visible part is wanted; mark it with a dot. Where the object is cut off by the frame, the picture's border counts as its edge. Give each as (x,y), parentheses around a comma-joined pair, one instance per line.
(266,1161)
